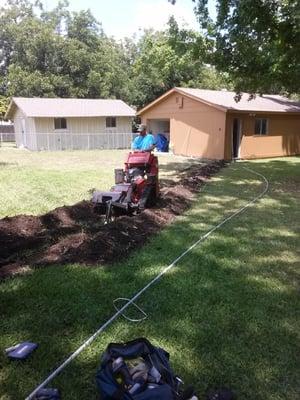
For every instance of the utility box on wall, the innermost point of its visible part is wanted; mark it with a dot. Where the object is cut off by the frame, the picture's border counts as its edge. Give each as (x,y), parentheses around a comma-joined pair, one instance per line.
(179,101)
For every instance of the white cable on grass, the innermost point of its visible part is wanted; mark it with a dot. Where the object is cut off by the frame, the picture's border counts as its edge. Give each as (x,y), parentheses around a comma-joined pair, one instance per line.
(144,315)
(138,294)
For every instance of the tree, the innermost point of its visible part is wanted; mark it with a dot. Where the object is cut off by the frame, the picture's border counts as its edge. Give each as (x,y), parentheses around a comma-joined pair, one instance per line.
(109,76)
(58,53)
(84,27)
(257,42)
(67,54)
(174,57)
(4,102)
(13,14)
(156,69)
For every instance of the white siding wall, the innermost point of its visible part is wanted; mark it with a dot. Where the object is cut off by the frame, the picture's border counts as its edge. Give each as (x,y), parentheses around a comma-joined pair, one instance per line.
(83,133)
(84,125)
(25,130)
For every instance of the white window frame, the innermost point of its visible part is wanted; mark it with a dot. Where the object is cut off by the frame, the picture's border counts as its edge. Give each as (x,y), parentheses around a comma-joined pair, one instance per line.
(260,127)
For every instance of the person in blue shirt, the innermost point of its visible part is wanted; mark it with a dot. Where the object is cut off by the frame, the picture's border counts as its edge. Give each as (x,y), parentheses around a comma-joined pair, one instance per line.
(145,141)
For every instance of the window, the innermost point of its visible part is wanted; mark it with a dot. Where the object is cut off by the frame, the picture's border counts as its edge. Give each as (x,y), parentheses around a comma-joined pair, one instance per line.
(261,126)
(111,122)
(60,123)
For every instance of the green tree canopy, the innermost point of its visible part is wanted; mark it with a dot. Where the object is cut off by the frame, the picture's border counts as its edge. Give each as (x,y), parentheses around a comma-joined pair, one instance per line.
(67,54)
(58,53)
(257,42)
(174,57)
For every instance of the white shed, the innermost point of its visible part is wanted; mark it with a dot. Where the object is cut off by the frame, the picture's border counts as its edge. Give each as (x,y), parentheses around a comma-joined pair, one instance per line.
(61,124)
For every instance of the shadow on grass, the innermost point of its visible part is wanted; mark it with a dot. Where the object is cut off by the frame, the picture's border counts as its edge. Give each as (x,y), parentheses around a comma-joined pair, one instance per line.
(7,164)
(226,313)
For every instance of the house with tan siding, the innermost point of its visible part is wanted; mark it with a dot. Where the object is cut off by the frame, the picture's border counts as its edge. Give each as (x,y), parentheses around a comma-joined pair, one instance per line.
(60,124)
(212,124)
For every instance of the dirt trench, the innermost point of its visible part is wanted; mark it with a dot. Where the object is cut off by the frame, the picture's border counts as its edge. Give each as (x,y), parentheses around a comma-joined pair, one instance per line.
(76,234)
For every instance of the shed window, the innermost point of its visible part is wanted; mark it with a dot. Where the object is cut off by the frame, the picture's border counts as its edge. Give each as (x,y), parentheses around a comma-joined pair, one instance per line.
(60,123)
(111,122)
(261,126)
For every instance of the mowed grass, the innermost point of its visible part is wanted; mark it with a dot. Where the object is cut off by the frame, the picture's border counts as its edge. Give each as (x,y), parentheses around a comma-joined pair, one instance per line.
(37,182)
(228,313)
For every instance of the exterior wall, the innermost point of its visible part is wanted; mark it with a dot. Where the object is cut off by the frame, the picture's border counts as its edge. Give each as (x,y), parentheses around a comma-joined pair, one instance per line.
(83,133)
(24,130)
(282,139)
(85,125)
(196,129)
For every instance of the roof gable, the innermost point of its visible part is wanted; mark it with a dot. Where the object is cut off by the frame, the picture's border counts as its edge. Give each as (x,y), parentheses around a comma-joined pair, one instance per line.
(58,107)
(225,100)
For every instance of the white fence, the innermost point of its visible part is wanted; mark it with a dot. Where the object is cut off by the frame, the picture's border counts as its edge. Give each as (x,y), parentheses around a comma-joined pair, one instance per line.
(7,137)
(74,141)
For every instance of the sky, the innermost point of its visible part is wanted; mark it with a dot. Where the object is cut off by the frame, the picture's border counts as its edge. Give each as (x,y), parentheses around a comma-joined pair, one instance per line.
(122,18)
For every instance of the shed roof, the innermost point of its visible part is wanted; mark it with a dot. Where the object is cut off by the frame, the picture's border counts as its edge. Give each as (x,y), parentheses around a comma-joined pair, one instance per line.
(57,107)
(225,100)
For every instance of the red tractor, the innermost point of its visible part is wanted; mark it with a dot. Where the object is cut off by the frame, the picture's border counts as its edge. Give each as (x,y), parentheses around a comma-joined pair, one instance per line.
(136,187)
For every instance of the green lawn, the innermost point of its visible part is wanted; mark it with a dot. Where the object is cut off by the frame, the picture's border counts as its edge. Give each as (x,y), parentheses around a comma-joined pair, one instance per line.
(37,182)
(228,312)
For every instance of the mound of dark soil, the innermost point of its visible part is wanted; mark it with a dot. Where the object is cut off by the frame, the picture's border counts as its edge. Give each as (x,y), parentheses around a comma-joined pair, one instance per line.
(76,234)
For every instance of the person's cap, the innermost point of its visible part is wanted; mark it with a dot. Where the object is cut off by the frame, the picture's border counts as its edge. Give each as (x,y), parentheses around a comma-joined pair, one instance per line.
(141,128)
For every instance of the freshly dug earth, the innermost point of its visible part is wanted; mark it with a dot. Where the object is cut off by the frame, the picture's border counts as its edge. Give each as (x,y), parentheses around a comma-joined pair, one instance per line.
(76,234)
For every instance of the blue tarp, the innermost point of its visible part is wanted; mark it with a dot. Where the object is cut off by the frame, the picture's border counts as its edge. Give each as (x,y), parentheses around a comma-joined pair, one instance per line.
(162,143)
